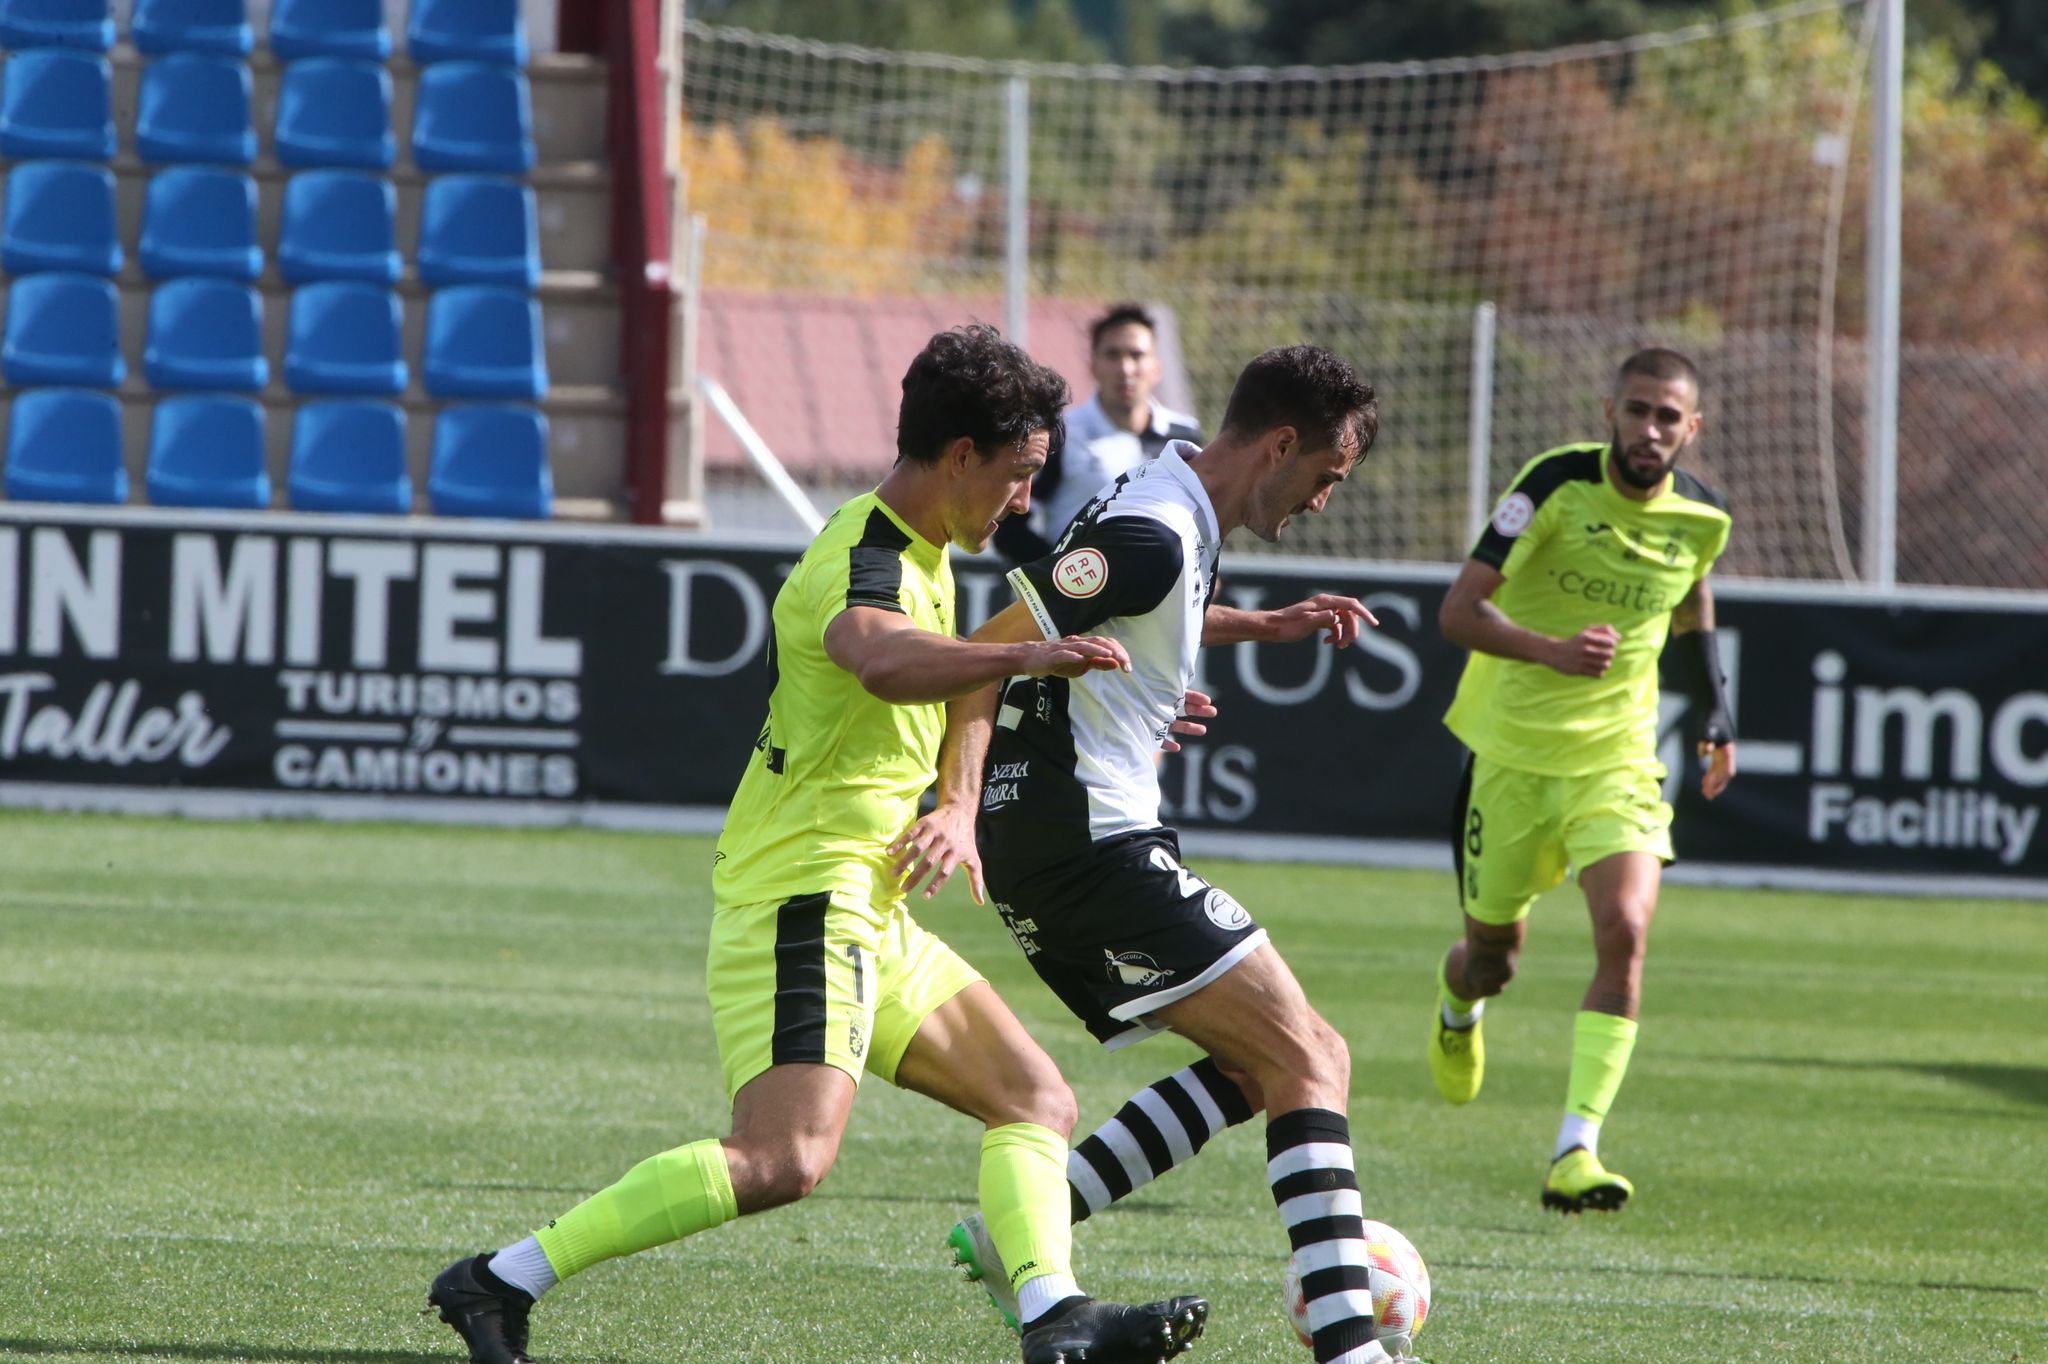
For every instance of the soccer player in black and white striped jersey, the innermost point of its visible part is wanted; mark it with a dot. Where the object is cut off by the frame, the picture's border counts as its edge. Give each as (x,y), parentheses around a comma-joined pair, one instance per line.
(1090,883)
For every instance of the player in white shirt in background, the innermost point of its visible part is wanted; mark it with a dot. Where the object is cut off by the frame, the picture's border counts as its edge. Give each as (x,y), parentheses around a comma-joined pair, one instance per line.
(1114,431)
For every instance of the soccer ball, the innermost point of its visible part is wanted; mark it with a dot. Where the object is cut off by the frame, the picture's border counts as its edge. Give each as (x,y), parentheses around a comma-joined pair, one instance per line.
(1399,1281)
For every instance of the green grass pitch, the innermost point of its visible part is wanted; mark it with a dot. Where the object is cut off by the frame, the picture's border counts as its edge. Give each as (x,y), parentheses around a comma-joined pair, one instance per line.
(259,1082)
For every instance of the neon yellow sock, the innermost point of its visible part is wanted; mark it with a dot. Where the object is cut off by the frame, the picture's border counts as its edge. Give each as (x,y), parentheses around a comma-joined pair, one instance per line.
(664,1198)
(1443,985)
(1601,1044)
(1024,1200)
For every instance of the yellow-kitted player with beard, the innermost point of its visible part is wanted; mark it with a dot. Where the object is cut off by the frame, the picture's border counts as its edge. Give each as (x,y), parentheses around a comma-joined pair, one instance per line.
(1595,556)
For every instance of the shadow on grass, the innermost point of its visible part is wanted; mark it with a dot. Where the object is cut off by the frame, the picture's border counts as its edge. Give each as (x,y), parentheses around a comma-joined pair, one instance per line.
(1735,1276)
(220,1350)
(966,1200)
(505,1186)
(2028,1084)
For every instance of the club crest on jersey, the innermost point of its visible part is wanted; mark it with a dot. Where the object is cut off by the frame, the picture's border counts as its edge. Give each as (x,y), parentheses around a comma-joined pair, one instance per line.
(1134,968)
(1514,514)
(1081,573)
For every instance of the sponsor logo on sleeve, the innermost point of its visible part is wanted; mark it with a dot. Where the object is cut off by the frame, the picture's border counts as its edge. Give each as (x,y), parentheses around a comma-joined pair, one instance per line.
(1081,573)
(1224,911)
(1514,514)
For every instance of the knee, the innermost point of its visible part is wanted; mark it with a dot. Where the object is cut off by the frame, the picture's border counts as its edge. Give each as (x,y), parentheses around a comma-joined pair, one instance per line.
(1332,1056)
(1622,936)
(784,1173)
(1314,1052)
(1048,1101)
(1023,1087)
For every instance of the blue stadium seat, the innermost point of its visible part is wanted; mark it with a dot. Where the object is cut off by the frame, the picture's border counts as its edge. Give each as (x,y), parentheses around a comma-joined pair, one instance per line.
(60,216)
(64,445)
(349,457)
(473,117)
(466,31)
(200,221)
(192,26)
(476,229)
(207,451)
(56,23)
(335,111)
(343,337)
(56,103)
(329,28)
(484,341)
(339,225)
(62,329)
(205,334)
(195,107)
(491,461)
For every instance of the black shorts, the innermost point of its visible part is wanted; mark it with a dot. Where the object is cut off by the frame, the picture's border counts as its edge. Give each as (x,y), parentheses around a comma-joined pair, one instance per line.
(1122,930)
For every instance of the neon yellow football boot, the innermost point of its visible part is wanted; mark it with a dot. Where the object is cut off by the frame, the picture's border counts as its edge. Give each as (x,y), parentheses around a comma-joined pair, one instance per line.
(1457,1058)
(1578,1181)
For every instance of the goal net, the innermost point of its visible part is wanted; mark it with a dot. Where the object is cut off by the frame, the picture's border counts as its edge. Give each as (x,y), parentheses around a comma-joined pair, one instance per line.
(1484,239)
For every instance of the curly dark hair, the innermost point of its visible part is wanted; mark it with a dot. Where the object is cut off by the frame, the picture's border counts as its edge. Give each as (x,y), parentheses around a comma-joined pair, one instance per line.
(1309,389)
(970,382)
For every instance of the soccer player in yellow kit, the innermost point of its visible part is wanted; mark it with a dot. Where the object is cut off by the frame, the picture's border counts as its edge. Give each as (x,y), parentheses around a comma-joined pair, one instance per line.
(817,973)
(1595,556)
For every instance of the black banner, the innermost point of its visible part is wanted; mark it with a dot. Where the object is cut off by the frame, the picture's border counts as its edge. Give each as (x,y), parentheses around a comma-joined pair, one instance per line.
(585,670)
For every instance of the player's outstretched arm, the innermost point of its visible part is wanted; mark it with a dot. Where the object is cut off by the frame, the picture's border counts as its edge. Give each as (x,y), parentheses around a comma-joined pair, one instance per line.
(907,666)
(1337,618)
(942,842)
(1470,620)
(1699,668)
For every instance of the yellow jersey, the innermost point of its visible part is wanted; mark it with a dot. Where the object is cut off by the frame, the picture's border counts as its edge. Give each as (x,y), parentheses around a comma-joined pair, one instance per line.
(837,773)
(1576,553)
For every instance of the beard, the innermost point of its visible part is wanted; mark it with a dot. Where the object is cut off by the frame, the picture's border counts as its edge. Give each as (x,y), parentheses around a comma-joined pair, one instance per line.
(1618,460)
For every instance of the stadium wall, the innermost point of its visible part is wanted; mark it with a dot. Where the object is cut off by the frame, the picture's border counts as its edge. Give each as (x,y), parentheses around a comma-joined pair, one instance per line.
(363,668)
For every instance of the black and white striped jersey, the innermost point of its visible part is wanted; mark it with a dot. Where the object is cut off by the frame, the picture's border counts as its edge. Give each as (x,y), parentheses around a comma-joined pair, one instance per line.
(1096,450)
(1072,762)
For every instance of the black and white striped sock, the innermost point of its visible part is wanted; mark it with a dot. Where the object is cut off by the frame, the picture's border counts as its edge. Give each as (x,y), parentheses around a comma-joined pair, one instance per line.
(1308,1163)
(1162,1125)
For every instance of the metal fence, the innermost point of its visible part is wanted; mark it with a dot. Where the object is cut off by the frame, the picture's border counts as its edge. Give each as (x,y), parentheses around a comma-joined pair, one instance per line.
(1485,239)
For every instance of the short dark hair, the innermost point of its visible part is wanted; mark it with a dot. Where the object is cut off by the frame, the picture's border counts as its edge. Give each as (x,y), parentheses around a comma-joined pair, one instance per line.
(1120,314)
(970,382)
(1309,389)
(1655,362)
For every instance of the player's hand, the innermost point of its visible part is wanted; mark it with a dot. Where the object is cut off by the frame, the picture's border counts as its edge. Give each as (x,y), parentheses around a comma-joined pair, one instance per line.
(1589,653)
(1720,767)
(938,845)
(1325,611)
(1075,655)
(1195,707)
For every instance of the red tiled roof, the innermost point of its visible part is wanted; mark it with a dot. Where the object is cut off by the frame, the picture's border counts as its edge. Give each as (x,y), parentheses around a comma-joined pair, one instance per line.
(819,377)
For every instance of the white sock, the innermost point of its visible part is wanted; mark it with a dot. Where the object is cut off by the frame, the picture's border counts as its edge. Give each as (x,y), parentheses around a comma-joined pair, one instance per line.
(1036,1297)
(525,1266)
(1454,1019)
(1577,1131)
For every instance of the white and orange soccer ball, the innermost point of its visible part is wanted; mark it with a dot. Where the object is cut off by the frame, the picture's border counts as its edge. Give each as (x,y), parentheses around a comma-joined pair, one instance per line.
(1399,1281)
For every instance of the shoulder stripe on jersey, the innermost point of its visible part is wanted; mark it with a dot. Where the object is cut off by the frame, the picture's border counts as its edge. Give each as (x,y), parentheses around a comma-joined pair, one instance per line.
(874,573)
(1571,464)
(1686,486)
(1544,476)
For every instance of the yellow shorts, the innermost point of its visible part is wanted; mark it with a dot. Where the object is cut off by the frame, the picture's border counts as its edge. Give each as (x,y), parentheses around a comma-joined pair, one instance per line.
(826,978)
(1518,832)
